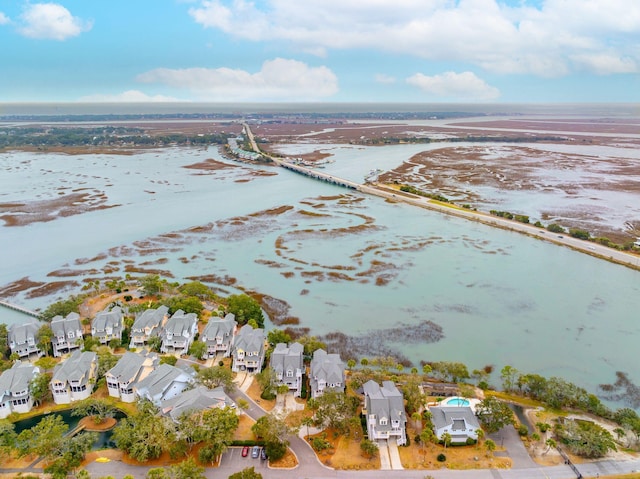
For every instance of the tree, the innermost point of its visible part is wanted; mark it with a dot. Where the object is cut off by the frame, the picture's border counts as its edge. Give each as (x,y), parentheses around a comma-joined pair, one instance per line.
(413,394)
(490,446)
(509,376)
(450,371)
(7,438)
(267,380)
(586,439)
(550,443)
(197,349)
(71,455)
(190,304)
(106,360)
(274,431)
(45,439)
(351,363)
(168,359)
(214,428)
(276,336)
(39,388)
(62,308)
(245,308)
(334,409)
(152,284)
(187,469)
(311,344)
(44,336)
(216,376)
(99,409)
(446,439)
(4,340)
(494,414)
(155,343)
(246,473)
(198,290)
(144,435)
(368,448)
(555,228)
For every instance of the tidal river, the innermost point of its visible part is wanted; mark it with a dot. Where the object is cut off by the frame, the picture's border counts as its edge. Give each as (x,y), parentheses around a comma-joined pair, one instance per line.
(341,260)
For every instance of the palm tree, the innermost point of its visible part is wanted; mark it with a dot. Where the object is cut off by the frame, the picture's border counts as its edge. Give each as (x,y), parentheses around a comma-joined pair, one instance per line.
(446,439)
(480,434)
(490,446)
(550,443)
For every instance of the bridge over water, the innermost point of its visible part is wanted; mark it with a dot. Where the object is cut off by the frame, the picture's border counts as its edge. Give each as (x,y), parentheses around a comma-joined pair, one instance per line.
(20,309)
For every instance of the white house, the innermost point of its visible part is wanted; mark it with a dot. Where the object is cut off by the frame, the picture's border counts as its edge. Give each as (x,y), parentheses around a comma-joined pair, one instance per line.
(163,383)
(179,332)
(288,365)
(248,350)
(147,325)
(384,411)
(218,335)
(15,394)
(73,378)
(107,325)
(194,400)
(23,339)
(326,372)
(131,368)
(459,421)
(66,334)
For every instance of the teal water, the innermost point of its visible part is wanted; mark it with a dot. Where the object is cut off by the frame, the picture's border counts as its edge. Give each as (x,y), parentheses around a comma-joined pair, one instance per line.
(343,261)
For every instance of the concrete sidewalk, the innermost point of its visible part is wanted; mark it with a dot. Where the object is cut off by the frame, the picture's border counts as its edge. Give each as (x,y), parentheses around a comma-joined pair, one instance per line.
(394,456)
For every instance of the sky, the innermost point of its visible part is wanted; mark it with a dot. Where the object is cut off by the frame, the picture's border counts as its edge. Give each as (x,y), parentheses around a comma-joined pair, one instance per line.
(409,51)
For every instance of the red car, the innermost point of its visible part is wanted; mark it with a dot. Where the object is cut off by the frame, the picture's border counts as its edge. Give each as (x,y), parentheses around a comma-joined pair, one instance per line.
(245,451)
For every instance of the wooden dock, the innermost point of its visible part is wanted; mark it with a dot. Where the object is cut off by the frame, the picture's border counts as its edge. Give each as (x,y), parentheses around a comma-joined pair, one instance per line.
(20,309)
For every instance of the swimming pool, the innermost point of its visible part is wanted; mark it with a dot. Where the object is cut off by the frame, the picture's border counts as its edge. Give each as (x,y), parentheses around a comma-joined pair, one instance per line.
(457,401)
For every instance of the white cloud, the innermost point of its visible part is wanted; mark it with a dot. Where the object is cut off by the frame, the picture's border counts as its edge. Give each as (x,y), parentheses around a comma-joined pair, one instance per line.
(4,20)
(51,21)
(544,40)
(278,79)
(454,86)
(129,96)
(384,79)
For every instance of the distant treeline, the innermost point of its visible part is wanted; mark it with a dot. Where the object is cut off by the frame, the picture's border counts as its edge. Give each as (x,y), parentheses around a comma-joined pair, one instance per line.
(470,139)
(42,137)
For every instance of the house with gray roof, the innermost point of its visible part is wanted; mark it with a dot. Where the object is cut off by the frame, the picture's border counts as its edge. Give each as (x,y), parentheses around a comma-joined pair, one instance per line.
(459,421)
(107,325)
(147,325)
(73,378)
(384,410)
(163,383)
(23,339)
(177,335)
(15,394)
(129,370)
(326,372)
(248,350)
(288,365)
(218,335)
(195,400)
(67,334)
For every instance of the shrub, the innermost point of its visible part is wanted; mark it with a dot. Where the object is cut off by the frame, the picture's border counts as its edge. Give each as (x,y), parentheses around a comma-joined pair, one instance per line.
(555,228)
(441,457)
(470,441)
(523,430)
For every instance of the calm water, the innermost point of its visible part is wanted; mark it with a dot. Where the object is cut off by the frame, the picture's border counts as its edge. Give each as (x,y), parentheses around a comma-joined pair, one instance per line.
(341,260)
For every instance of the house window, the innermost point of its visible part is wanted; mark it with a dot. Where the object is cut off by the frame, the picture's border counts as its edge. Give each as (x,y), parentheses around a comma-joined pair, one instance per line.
(289,373)
(383,421)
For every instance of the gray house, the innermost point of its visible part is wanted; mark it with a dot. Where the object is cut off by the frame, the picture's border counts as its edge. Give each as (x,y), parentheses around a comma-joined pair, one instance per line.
(164,382)
(147,325)
(194,400)
(107,325)
(288,365)
(72,378)
(218,335)
(23,339)
(459,421)
(248,350)
(131,368)
(384,410)
(177,335)
(326,372)
(15,394)
(67,334)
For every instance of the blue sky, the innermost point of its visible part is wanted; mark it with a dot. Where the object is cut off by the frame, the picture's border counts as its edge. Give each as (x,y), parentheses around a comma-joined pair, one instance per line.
(320,50)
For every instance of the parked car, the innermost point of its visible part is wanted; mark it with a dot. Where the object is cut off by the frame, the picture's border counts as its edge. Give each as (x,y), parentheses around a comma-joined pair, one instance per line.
(245,451)
(255,453)
(263,454)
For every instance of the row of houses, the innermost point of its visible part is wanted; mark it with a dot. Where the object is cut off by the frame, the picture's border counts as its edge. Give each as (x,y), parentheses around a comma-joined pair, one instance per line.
(177,332)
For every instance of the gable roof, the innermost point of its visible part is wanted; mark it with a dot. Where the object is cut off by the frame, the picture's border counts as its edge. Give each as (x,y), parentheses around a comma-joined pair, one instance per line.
(327,366)
(20,333)
(16,379)
(384,402)
(196,399)
(285,358)
(180,323)
(249,339)
(130,366)
(60,326)
(75,368)
(150,318)
(443,416)
(161,379)
(108,319)
(219,327)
